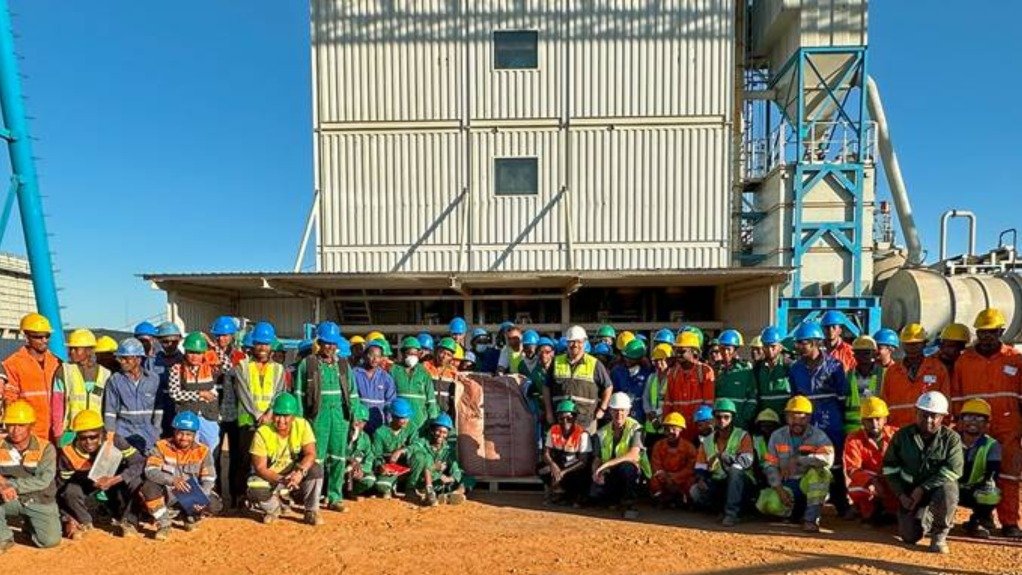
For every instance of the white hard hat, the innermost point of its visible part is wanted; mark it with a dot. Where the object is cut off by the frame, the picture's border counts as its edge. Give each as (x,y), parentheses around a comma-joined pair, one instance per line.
(932,401)
(576,333)
(620,400)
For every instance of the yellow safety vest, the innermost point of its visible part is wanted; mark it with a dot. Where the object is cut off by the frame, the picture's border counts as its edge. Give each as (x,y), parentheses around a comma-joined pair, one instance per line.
(609,451)
(734,442)
(261,387)
(80,395)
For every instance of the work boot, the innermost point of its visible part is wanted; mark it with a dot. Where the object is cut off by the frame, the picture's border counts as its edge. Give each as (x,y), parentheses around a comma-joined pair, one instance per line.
(431,500)
(5,545)
(191,524)
(811,527)
(939,545)
(456,498)
(163,533)
(128,530)
(729,521)
(1011,532)
(312,518)
(976,530)
(74,530)
(630,512)
(271,516)
(387,494)
(850,514)
(337,506)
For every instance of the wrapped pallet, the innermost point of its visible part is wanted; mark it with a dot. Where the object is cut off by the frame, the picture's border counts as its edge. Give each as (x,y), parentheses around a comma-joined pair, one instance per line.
(496,429)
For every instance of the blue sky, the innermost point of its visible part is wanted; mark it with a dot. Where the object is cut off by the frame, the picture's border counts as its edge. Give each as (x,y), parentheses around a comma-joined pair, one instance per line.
(175,136)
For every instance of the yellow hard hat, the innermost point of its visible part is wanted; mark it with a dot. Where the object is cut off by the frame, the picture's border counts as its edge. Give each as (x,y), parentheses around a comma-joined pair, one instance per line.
(36,322)
(990,318)
(19,413)
(674,419)
(768,415)
(872,407)
(799,404)
(687,339)
(977,406)
(622,340)
(956,332)
(356,340)
(86,421)
(662,351)
(912,333)
(82,338)
(105,343)
(459,352)
(864,343)
(375,335)
(756,342)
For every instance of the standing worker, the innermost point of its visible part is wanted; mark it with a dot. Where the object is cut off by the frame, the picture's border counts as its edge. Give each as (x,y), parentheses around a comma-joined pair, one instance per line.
(28,373)
(326,393)
(690,383)
(916,374)
(145,333)
(168,335)
(106,346)
(228,356)
(888,343)
(135,405)
(192,386)
(374,385)
(512,353)
(653,393)
(864,381)
(833,323)
(873,499)
(457,329)
(953,340)
(630,377)
(77,386)
(536,377)
(734,379)
(445,375)
(992,371)
(922,466)
(413,382)
(581,378)
(28,467)
(771,373)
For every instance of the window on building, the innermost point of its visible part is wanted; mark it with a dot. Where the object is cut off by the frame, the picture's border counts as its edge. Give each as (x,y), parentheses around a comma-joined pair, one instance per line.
(516,176)
(516,50)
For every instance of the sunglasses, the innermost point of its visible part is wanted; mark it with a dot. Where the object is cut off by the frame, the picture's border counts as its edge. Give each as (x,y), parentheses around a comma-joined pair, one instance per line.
(973,417)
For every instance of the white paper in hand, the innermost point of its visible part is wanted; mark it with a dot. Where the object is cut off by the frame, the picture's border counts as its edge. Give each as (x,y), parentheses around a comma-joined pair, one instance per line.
(107,461)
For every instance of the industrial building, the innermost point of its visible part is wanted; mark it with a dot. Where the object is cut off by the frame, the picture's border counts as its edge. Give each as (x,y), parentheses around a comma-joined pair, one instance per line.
(641,163)
(16,297)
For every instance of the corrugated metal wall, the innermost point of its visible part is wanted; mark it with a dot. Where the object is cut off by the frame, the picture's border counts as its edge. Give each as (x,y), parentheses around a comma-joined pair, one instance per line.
(16,295)
(627,114)
(781,26)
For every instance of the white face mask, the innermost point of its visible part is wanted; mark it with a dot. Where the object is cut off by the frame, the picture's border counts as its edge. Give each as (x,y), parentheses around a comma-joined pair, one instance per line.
(411,360)
(481,347)
(634,370)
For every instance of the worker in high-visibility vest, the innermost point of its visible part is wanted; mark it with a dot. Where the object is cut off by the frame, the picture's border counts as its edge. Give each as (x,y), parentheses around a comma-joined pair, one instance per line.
(992,370)
(567,451)
(734,380)
(873,500)
(724,465)
(512,352)
(767,422)
(865,380)
(621,461)
(771,372)
(580,377)
(78,385)
(913,376)
(28,373)
(28,467)
(977,489)
(653,393)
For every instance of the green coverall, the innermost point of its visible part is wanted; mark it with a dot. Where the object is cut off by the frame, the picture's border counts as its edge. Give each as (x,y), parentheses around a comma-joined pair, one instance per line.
(360,453)
(773,384)
(416,385)
(423,456)
(386,441)
(330,426)
(736,382)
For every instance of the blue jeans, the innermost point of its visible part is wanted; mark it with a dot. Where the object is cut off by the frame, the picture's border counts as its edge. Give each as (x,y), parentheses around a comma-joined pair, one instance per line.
(209,433)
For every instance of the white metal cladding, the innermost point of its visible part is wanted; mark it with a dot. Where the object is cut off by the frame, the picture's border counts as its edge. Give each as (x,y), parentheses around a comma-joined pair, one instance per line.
(641,58)
(780,27)
(286,314)
(191,314)
(387,61)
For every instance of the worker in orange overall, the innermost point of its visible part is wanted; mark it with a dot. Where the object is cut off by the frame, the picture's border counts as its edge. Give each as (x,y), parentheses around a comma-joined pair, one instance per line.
(872,497)
(673,463)
(992,371)
(690,382)
(913,376)
(28,373)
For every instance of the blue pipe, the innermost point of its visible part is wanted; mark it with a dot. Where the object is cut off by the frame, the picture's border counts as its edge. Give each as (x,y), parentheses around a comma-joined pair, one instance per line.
(19,147)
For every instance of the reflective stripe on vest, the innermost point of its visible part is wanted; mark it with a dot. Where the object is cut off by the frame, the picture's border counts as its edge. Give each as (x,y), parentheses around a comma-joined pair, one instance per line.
(609,451)
(852,403)
(655,395)
(734,442)
(261,387)
(584,370)
(79,396)
(979,463)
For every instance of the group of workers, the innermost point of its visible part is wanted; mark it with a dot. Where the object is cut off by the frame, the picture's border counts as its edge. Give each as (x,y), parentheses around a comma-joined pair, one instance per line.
(875,426)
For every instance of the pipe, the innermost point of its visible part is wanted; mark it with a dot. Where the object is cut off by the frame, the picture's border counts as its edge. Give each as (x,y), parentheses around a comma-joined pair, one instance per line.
(313,217)
(944,219)
(894,177)
(19,147)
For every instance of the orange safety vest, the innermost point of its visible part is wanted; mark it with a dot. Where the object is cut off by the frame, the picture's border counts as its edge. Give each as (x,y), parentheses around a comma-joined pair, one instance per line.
(29,380)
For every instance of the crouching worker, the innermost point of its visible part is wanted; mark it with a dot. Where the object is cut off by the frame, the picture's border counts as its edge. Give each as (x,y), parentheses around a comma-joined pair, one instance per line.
(390,446)
(923,465)
(724,465)
(621,460)
(977,490)
(74,487)
(358,474)
(435,474)
(798,461)
(284,459)
(177,470)
(673,464)
(872,497)
(566,454)
(28,466)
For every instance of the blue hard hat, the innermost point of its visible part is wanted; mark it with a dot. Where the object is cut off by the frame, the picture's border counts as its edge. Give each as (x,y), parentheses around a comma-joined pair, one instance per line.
(704,413)
(305,346)
(771,335)
(506,326)
(730,337)
(588,348)
(343,348)
(247,340)
(833,317)
(130,347)
(664,336)
(263,333)
(145,328)
(888,337)
(602,349)
(224,325)
(808,330)
(401,408)
(457,326)
(186,421)
(469,357)
(546,341)
(425,340)
(168,329)
(641,337)
(562,345)
(530,337)
(328,332)
(479,332)
(443,420)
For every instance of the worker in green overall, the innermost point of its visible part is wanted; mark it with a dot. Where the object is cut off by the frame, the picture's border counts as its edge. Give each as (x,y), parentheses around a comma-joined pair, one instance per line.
(326,394)
(735,380)
(415,384)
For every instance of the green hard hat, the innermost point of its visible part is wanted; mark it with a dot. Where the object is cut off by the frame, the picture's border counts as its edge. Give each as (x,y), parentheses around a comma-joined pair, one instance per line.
(277,346)
(606,330)
(410,343)
(566,406)
(359,412)
(725,404)
(634,349)
(383,344)
(285,404)
(449,344)
(195,342)
(788,344)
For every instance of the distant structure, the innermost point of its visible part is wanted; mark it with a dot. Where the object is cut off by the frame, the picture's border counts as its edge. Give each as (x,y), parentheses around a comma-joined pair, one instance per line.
(16,296)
